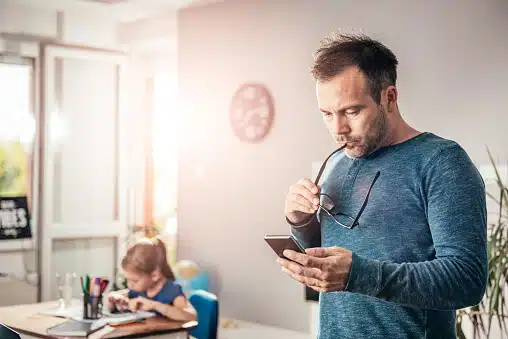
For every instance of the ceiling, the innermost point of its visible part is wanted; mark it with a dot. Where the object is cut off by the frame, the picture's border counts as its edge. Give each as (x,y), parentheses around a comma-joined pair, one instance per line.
(125,10)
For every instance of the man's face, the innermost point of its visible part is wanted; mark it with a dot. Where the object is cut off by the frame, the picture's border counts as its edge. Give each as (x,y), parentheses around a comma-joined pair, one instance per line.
(351,114)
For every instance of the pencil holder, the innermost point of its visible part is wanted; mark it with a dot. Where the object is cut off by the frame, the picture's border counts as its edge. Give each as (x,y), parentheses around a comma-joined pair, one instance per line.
(92,307)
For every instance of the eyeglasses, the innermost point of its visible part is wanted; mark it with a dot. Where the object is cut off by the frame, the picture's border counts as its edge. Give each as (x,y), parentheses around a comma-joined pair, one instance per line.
(327,204)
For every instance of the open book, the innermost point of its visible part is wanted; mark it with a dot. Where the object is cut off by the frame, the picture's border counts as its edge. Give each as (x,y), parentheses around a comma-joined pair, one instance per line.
(79,327)
(75,312)
(121,318)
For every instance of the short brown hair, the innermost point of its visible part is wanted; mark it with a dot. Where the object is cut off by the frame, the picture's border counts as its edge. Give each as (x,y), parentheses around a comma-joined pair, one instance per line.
(147,255)
(339,51)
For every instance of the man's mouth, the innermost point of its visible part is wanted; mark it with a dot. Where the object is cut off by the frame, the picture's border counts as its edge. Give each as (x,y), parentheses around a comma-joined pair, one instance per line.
(349,142)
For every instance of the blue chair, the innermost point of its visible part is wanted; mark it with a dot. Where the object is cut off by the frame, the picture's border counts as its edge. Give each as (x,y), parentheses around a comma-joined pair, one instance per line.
(207,308)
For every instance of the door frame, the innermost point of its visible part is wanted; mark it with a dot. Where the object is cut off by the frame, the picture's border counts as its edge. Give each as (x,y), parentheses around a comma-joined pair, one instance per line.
(48,230)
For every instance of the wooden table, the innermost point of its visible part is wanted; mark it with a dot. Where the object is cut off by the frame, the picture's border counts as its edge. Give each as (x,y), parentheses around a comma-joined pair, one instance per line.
(26,320)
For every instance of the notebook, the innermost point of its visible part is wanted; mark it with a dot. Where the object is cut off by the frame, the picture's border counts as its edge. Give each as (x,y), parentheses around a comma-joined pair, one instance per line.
(101,333)
(73,328)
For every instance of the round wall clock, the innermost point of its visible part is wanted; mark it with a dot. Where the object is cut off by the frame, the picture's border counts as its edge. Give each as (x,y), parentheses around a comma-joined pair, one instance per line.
(252,112)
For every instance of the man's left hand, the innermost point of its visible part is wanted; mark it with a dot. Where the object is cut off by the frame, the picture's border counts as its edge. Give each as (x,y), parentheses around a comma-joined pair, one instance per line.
(322,269)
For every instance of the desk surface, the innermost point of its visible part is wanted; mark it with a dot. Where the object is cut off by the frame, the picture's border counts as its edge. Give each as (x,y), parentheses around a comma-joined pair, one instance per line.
(26,319)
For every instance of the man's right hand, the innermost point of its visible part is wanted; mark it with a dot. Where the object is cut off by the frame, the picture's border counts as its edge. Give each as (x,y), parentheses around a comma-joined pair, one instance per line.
(301,201)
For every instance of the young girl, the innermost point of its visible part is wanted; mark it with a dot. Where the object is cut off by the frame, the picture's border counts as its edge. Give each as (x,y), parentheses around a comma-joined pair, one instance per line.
(151,284)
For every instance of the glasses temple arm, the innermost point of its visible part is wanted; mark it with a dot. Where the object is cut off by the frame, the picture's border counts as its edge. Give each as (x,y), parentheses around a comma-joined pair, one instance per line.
(324,164)
(366,199)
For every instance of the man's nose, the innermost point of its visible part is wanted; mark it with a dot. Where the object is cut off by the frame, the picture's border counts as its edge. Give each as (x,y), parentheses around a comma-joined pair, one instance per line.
(340,124)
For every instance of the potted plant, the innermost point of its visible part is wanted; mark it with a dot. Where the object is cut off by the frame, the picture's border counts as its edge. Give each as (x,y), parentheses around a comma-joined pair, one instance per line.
(493,310)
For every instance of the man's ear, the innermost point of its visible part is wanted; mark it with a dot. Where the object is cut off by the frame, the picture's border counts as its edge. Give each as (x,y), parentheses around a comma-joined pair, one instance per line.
(390,95)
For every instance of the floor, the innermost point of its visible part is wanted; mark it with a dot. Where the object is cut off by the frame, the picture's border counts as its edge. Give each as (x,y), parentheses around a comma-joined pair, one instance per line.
(246,330)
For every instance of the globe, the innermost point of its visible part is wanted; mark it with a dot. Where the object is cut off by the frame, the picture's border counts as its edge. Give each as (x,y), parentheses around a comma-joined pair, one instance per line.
(186,269)
(190,276)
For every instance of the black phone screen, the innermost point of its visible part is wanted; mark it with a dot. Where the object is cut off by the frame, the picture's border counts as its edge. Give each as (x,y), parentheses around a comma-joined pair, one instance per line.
(279,243)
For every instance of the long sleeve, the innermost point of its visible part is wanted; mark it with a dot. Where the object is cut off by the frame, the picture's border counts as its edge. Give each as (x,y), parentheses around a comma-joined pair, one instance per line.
(454,197)
(308,234)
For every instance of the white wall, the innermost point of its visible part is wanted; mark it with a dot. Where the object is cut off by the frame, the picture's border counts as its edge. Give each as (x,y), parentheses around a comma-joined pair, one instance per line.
(452,81)
(20,19)
(78,27)
(154,42)
(89,29)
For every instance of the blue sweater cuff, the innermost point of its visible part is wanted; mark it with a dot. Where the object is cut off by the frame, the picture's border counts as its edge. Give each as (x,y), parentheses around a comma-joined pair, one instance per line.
(364,276)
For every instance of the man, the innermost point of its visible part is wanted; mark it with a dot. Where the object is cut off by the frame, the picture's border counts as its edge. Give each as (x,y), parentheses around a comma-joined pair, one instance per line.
(396,233)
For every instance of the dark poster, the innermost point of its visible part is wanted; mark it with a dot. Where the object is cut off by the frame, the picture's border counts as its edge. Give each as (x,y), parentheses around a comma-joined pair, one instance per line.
(14,218)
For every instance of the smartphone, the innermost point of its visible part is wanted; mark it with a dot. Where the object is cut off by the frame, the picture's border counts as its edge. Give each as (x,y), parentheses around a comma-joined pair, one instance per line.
(279,243)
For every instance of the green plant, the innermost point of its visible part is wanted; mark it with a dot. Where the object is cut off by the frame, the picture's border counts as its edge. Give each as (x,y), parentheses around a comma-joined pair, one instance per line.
(12,169)
(494,307)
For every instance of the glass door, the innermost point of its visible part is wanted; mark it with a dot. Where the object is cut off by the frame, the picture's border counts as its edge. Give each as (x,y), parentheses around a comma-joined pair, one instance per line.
(84,194)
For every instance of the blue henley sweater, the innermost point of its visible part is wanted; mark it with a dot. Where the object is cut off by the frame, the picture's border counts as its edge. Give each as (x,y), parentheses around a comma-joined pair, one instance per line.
(419,249)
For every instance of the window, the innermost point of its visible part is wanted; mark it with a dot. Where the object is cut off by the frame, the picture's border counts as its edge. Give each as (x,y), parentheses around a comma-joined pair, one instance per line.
(17,129)
(162,157)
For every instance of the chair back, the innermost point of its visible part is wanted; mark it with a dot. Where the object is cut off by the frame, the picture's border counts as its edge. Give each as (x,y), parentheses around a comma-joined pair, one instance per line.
(207,308)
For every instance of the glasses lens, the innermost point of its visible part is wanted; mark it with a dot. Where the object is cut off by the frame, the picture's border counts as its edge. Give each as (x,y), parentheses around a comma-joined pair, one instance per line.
(345,220)
(327,203)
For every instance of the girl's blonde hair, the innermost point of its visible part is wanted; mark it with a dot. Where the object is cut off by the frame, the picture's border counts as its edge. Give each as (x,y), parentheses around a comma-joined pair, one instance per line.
(147,255)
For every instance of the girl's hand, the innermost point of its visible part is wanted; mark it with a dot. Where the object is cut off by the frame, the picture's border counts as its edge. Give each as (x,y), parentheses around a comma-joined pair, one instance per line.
(140,303)
(117,301)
